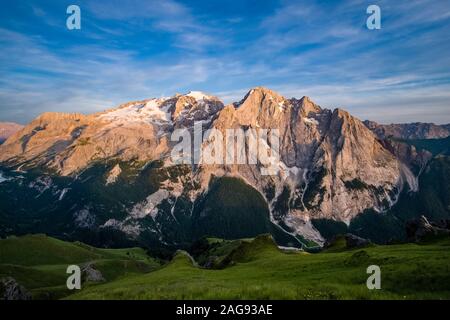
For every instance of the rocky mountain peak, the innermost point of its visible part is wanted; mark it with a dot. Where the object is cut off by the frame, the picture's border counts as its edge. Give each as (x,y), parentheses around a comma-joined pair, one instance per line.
(194,104)
(308,106)
(330,166)
(261,107)
(259,94)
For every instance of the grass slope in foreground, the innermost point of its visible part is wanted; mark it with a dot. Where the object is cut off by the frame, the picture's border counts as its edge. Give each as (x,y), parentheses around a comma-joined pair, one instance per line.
(249,269)
(257,269)
(39,263)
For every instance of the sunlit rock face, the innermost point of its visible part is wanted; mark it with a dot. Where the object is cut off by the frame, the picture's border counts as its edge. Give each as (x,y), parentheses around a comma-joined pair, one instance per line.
(330,166)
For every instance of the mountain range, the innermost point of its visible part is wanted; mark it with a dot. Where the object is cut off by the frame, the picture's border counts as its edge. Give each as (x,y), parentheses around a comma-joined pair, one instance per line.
(108,178)
(417,130)
(7,129)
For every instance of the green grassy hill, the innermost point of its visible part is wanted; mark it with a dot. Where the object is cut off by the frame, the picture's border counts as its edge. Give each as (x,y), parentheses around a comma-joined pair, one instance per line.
(261,271)
(248,269)
(39,262)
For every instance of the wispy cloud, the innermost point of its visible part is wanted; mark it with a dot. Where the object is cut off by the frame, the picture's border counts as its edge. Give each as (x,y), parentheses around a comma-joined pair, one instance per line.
(138,49)
(167,16)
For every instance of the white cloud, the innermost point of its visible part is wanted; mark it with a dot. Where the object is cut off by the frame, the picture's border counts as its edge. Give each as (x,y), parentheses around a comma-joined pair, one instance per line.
(301,49)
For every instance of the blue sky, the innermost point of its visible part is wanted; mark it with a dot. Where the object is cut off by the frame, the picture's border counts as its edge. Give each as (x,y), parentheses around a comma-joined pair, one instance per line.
(136,49)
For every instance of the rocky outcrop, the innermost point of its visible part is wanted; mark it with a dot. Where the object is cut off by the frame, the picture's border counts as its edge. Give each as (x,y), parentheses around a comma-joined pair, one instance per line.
(415,159)
(421,229)
(352,241)
(11,290)
(90,274)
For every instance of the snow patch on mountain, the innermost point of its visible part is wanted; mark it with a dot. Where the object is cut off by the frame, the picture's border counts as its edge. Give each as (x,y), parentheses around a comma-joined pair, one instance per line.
(3,178)
(41,184)
(84,218)
(149,206)
(304,227)
(63,193)
(311,121)
(131,228)
(198,95)
(409,178)
(152,111)
(113,175)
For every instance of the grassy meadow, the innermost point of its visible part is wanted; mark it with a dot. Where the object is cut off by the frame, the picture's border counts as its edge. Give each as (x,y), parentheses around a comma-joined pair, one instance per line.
(243,269)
